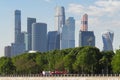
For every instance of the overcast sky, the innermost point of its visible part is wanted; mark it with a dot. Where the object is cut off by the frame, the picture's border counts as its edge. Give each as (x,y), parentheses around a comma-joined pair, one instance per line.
(103,15)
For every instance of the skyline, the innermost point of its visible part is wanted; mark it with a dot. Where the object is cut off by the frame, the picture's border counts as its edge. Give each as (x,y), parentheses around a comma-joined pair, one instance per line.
(99,17)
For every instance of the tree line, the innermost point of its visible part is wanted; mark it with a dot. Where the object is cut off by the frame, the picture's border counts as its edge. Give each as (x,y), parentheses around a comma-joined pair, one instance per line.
(79,60)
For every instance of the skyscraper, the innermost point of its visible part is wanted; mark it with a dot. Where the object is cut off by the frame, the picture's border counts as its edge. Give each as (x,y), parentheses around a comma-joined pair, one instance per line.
(68,34)
(86,38)
(59,18)
(24,36)
(59,23)
(84,23)
(52,40)
(30,21)
(39,37)
(107,37)
(17,26)
(18,46)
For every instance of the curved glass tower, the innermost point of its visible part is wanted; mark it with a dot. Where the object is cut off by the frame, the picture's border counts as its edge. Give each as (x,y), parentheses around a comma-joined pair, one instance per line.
(107,37)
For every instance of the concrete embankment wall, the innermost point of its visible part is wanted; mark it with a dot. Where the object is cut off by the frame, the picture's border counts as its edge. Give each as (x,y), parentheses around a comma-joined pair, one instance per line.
(59,78)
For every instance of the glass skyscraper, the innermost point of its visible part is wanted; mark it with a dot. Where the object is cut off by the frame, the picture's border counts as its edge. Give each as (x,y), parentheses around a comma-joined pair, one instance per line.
(18,46)
(59,18)
(68,34)
(39,37)
(86,38)
(17,26)
(53,40)
(30,21)
(107,38)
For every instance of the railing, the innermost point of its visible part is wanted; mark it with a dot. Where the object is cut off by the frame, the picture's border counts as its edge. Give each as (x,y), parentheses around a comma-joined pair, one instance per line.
(62,75)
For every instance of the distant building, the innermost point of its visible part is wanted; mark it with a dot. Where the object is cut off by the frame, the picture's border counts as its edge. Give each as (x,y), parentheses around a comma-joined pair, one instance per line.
(84,23)
(86,38)
(68,34)
(7,51)
(17,49)
(24,36)
(17,26)
(59,23)
(52,40)
(18,46)
(107,38)
(59,18)
(39,37)
(30,21)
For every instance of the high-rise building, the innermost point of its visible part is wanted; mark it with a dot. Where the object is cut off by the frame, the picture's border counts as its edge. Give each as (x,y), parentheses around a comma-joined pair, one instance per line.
(86,38)
(59,22)
(84,23)
(7,51)
(18,46)
(39,37)
(59,18)
(52,40)
(68,34)
(30,21)
(24,36)
(17,49)
(107,37)
(17,26)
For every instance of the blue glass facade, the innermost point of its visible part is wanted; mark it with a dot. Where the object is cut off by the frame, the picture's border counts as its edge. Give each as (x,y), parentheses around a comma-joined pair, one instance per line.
(107,38)
(68,34)
(86,38)
(39,37)
(30,21)
(53,40)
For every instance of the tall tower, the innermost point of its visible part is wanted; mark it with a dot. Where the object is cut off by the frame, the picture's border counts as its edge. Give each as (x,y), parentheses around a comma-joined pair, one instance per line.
(107,37)
(30,21)
(39,37)
(84,23)
(59,18)
(68,34)
(17,26)
(18,46)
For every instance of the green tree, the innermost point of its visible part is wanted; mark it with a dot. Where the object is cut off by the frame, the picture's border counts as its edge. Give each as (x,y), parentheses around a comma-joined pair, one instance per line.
(6,66)
(105,61)
(116,62)
(86,60)
(25,63)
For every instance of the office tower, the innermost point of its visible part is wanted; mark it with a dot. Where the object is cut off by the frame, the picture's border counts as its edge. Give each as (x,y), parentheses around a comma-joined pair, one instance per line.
(18,46)
(59,18)
(68,34)
(24,36)
(84,23)
(30,21)
(17,49)
(39,37)
(7,51)
(86,38)
(107,38)
(17,26)
(53,40)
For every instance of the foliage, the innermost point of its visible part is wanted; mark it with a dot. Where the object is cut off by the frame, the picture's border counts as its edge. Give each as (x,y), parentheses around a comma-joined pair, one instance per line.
(116,62)
(82,60)
(6,66)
